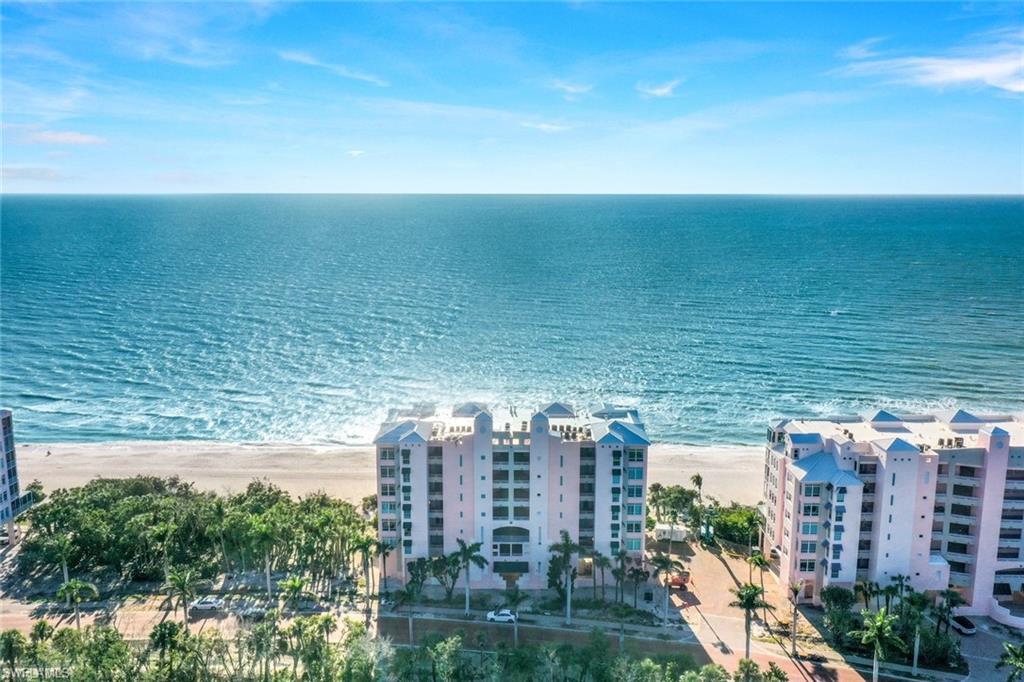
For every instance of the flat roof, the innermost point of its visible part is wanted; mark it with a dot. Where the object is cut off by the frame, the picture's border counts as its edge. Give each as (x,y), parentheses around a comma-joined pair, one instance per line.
(926,429)
(614,422)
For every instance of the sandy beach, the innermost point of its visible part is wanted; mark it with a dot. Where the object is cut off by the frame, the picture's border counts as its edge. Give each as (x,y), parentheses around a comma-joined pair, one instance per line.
(730,473)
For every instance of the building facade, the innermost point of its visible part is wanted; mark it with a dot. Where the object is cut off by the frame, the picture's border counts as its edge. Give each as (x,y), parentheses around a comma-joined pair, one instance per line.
(513,481)
(12,502)
(937,500)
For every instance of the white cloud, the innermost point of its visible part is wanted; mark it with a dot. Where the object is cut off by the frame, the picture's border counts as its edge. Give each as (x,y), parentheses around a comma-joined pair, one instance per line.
(300,57)
(728,116)
(996,62)
(355,153)
(546,127)
(570,91)
(861,50)
(663,90)
(36,173)
(61,137)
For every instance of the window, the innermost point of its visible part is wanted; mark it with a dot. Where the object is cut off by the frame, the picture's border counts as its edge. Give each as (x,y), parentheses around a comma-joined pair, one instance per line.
(405,456)
(633,544)
(387,455)
(635,491)
(636,474)
(808,528)
(634,527)
(387,490)
(388,525)
(837,534)
(407,546)
(387,507)
(636,455)
(836,551)
(812,490)
(387,472)
(807,565)
(811,510)
(808,547)
(835,570)
(616,478)
(634,510)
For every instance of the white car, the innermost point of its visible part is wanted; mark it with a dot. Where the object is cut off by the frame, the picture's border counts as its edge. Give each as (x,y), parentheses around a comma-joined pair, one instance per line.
(207,604)
(963,625)
(502,616)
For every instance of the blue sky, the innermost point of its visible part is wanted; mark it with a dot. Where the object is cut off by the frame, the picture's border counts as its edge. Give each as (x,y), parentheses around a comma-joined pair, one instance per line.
(559,97)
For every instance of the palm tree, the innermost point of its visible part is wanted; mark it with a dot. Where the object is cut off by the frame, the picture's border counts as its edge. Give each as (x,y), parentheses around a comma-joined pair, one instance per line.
(876,592)
(1013,657)
(913,606)
(601,563)
(384,550)
(12,647)
(794,597)
(698,482)
(566,548)
(889,593)
(622,559)
(61,546)
(469,555)
(366,546)
(41,634)
(664,566)
(639,576)
(673,519)
(182,587)
(76,591)
(761,563)
(944,609)
(166,638)
(901,582)
(294,590)
(879,633)
(656,498)
(863,590)
(513,598)
(749,597)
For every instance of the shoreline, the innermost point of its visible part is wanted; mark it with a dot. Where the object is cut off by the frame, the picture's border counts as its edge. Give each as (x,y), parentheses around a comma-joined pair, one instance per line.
(730,472)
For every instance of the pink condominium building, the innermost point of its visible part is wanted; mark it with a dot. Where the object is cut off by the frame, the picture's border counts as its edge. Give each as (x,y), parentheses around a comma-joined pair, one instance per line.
(512,480)
(939,500)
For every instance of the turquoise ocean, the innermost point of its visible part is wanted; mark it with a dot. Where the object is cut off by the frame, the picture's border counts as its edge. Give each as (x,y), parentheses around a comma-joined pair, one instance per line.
(303,318)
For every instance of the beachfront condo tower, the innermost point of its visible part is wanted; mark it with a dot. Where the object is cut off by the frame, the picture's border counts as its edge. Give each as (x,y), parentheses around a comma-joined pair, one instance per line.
(936,500)
(512,480)
(12,502)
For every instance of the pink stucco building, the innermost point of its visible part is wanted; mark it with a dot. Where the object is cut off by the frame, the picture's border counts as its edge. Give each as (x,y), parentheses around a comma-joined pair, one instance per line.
(512,480)
(939,500)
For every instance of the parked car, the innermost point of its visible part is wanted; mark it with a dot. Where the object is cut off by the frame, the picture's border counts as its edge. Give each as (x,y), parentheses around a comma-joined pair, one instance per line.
(252,613)
(208,603)
(963,625)
(502,616)
(814,658)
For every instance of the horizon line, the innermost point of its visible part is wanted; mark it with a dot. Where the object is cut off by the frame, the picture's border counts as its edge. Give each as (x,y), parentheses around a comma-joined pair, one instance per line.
(533,194)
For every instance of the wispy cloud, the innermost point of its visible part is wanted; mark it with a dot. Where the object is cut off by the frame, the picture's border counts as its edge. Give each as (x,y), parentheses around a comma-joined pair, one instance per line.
(863,49)
(997,61)
(724,117)
(32,173)
(61,137)
(663,90)
(355,153)
(570,91)
(546,127)
(300,57)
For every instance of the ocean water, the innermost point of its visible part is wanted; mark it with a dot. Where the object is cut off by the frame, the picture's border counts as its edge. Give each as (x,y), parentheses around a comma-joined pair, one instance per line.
(302,318)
